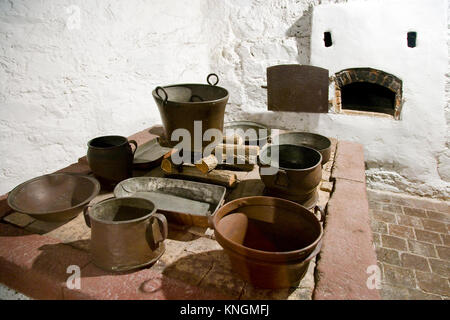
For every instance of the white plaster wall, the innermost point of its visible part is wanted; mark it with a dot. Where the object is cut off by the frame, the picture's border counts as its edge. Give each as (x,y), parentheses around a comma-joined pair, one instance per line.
(61,87)
(65,80)
(410,155)
(401,155)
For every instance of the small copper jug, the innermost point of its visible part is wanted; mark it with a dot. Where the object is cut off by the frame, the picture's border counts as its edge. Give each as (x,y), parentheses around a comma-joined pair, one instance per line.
(126,233)
(111,159)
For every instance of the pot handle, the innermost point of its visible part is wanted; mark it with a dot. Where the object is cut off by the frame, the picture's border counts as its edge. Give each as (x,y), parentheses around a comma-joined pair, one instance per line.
(134,143)
(322,213)
(165,94)
(163,228)
(86,215)
(281,178)
(209,76)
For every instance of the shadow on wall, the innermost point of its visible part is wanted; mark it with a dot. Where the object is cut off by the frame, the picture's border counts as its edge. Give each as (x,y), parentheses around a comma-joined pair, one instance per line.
(301,30)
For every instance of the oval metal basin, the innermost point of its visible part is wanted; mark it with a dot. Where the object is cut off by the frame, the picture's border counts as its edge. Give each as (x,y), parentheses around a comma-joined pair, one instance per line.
(54,197)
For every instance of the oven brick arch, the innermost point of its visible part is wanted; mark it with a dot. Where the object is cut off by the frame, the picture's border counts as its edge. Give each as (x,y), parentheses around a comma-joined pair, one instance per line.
(384,79)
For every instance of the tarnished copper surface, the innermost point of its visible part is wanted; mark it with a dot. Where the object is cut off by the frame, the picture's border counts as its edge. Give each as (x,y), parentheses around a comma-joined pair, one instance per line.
(54,197)
(280,240)
(181,104)
(307,139)
(111,158)
(126,233)
(298,172)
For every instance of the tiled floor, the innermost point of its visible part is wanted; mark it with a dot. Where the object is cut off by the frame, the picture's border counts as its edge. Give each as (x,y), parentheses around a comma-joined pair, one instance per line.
(10,294)
(412,241)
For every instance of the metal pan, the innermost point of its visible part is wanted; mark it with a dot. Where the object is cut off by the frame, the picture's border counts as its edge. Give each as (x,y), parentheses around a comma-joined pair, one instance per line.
(149,155)
(54,197)
(182,202)
(306,139)
(261,138)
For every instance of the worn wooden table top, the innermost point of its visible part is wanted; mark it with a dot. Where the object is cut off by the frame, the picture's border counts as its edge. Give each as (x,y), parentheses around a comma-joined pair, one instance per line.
(192,255)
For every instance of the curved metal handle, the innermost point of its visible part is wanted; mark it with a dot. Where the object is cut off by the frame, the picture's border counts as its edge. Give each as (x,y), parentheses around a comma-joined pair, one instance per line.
(163,229)
(209,76)
(322,213)
(281,178)
(133,142)
(166,97)
(86,215)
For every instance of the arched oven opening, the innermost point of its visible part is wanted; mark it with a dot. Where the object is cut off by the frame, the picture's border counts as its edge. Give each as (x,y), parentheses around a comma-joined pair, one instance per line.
(368,90)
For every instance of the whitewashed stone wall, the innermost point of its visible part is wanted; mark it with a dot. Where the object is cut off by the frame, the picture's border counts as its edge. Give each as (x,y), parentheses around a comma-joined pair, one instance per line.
(72,70)
(64,82)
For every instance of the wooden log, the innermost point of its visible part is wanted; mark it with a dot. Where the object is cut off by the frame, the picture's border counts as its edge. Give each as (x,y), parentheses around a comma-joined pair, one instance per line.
(234,162)
(237,149)
(235,159)
(221,177)
(233,139)
(207,164)
(167,164)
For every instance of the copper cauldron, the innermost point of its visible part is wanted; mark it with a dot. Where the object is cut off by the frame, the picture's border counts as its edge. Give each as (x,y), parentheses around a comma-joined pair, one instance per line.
(277,242)
(181,105)
(298,172)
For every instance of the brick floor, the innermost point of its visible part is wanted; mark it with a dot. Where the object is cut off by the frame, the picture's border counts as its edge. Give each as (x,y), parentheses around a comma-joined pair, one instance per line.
(412,241)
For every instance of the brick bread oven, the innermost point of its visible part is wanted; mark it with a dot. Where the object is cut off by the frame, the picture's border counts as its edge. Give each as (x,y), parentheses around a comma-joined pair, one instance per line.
(373,91)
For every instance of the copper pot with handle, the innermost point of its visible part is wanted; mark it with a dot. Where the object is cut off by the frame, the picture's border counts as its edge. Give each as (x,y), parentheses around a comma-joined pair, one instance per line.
(296,172)
(183,106)
(111,159)
(126,233)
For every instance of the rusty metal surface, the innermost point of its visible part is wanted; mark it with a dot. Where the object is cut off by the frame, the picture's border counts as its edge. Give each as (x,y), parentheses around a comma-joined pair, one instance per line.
(181,104)
(280,240)
(54,197)
(306,139)
(125,233)
(297,88)
(111,159)
(182,201)
(298,172)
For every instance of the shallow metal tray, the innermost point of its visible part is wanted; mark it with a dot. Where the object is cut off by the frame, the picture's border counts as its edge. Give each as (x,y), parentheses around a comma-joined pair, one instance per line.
(182,202)
(149,154)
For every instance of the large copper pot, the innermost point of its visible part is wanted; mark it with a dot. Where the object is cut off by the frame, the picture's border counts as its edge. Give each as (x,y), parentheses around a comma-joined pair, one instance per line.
(279,241)
(297,172)
(180,105)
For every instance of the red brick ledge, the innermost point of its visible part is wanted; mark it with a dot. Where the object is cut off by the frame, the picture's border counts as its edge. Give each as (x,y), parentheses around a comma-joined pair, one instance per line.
(347,248)
(82,166)
(37,267)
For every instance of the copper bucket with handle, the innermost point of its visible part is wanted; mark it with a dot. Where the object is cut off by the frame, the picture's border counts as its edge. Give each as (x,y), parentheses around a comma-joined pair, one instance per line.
(182,105)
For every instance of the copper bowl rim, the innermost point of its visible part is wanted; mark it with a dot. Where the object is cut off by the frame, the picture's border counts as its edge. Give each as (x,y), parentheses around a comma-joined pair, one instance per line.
(108,222)
(264,164)
(239,249)
(14,191)
(190,103)
(89,144)
(306,133)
